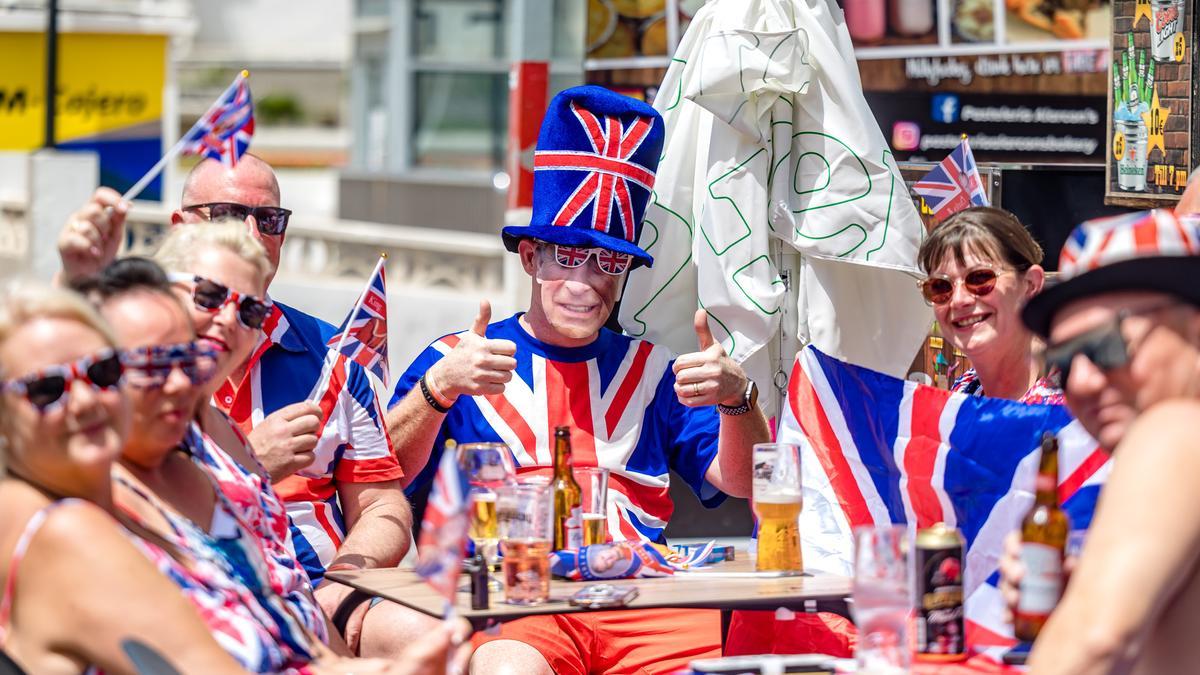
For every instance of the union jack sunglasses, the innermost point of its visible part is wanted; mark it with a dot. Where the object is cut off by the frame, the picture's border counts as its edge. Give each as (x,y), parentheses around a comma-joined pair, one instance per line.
(609,262)
(271,220)
(46,389)
(211,296)
(149,367)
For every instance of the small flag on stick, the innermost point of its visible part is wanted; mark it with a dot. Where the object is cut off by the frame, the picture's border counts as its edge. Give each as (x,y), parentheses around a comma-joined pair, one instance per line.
(954,184)
(223,132)
(443,540)
(363,336)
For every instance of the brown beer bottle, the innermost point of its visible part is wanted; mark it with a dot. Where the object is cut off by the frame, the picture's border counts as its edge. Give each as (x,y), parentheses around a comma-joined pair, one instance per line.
(568,496)
(1043,544)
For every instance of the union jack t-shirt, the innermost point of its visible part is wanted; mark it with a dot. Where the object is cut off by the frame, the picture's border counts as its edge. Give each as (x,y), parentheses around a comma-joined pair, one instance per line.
(353,445)
(617,396)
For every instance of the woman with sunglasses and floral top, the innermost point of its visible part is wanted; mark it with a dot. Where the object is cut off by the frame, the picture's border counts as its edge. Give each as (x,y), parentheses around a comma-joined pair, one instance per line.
(218,272)
(982,265)
(175,481)
(75,585)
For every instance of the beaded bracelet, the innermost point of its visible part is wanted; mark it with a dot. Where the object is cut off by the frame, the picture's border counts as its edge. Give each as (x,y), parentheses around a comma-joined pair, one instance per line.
(429,398)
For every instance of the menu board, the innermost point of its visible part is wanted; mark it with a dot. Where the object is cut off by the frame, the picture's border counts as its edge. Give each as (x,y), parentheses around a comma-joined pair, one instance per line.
(1152,121)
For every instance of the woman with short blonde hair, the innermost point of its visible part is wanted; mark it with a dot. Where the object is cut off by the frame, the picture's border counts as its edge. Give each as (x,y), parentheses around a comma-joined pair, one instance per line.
(67,568)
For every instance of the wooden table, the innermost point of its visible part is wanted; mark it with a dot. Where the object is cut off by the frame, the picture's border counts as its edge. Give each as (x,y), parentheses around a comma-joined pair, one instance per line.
(712,588)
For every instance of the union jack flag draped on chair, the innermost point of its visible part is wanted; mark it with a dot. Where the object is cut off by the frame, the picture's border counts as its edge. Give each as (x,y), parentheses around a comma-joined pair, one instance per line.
(954,184)
(443,539)
(363,336)
(879,450)
(224,132)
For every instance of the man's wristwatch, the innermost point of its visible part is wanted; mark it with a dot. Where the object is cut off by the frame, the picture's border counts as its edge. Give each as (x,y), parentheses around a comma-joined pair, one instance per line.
(748,401)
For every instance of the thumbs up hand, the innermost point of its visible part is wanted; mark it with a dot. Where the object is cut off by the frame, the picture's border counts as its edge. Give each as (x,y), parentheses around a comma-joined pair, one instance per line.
(708,376)
(477,365)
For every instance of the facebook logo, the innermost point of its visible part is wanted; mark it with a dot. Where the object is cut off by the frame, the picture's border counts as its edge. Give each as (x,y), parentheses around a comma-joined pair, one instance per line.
(945,108)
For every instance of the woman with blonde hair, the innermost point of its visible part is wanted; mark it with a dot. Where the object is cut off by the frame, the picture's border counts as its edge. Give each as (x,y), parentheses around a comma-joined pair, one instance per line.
(77,586)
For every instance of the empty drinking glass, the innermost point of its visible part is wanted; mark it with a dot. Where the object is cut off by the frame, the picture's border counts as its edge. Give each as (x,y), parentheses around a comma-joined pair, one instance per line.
(882,599)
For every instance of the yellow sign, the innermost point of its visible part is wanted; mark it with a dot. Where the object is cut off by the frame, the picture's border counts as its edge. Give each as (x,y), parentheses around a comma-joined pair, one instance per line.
(1180,46)
(935,342)
(1156,126)
(108,85)
(1118,146)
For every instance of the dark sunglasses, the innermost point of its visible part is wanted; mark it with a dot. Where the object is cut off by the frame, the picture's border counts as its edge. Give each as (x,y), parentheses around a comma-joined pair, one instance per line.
(609,262)
(1105,346)
(938,289)
(46,388)
(271,220)
(149,367)
(212,296)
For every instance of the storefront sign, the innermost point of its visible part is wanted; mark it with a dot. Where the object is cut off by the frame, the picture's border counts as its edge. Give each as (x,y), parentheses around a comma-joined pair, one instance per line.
(109,99)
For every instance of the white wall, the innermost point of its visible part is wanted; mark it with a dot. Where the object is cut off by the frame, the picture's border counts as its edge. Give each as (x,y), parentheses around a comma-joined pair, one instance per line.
(272,30)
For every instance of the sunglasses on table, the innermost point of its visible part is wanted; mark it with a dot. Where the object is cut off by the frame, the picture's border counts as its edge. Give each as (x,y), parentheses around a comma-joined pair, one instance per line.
(149,367)
(1105,346)
(46,389)
(271,220)
(609,262)
(938,289)
(212,296)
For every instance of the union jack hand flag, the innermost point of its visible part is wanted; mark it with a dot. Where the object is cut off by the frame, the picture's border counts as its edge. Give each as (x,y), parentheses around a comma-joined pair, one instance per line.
(363,336)
(607,172)
(954,184)
(224,132)
(443,539)
(877,450)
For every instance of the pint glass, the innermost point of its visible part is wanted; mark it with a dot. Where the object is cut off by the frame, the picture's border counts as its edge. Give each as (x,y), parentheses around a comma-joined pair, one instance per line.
(594,483)
(488,466)
(526,520)
(777,503)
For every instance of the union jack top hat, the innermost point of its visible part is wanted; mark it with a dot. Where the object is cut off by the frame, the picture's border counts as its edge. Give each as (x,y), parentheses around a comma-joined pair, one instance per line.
(593,172)
(1147,251)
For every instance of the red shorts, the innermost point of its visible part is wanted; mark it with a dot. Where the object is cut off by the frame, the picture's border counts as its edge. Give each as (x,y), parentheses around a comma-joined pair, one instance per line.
(761,633)
(622,641)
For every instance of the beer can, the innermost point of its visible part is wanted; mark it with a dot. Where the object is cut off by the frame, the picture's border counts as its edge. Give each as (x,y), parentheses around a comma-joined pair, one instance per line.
(940,626)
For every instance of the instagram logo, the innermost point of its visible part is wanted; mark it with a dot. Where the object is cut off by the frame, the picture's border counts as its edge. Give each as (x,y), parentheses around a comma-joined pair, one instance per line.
(906,136)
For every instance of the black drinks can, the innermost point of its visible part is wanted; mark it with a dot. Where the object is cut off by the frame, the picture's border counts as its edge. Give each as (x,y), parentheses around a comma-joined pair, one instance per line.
(940,627)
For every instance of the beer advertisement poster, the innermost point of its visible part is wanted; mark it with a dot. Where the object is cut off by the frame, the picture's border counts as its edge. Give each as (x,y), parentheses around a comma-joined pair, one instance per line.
(1152,121)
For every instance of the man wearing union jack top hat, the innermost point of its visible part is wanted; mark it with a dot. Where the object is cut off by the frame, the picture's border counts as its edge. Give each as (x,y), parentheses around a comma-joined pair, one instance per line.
(633,407)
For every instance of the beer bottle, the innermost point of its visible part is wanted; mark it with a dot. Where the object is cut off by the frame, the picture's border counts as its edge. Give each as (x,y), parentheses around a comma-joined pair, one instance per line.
(568,496)
(1043,544)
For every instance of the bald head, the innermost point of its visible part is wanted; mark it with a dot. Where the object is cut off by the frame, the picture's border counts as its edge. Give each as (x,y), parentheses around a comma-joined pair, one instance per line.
(211,177)
(1189,201)
(251,183)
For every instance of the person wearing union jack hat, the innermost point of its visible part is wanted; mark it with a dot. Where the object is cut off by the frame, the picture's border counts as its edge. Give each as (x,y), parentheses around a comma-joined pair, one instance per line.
(633,407)
(1123,328)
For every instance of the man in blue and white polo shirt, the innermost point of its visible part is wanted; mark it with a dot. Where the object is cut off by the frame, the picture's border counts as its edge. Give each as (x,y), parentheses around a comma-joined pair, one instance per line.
(632,407)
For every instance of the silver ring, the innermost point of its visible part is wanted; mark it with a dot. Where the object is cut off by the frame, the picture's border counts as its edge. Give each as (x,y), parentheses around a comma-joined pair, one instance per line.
(695,389)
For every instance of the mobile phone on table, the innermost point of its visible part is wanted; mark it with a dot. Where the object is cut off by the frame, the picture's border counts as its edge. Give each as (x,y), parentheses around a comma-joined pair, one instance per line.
(597,596)
(794,663)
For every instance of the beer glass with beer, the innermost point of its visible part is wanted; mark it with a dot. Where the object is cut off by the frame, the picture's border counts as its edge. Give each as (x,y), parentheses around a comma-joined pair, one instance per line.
(488,466)
(777,503)
(526,519)
(594,483)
